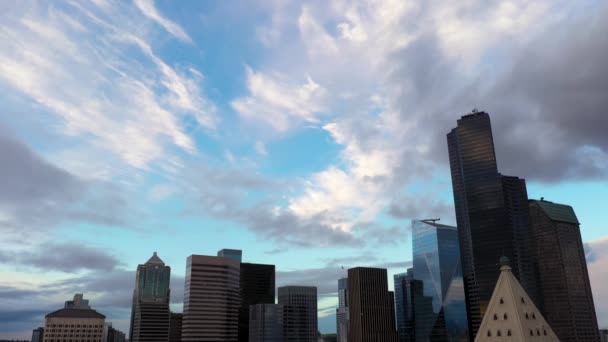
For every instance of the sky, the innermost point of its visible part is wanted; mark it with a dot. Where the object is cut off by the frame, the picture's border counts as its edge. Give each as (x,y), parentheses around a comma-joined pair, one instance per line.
(306,133)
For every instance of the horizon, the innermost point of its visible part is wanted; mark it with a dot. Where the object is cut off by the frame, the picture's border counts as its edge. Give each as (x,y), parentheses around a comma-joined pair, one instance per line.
(308,135)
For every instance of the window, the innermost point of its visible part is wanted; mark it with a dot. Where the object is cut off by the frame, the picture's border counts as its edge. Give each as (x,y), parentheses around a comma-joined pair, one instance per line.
(537,332)
(522,300)
(527,317)
(489,333)
(505,316)
(531,332)
(509,332)
(502,301)
(533,316)
(495,317)
(498,333)
(544,332)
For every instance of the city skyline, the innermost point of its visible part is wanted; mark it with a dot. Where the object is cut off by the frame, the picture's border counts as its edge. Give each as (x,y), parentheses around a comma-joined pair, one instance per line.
(308,136)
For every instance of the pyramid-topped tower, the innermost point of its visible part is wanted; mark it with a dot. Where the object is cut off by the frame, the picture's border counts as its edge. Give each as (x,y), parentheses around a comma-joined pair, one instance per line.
(511,315)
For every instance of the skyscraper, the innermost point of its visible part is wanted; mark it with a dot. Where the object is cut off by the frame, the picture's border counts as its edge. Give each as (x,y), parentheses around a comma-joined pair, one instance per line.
(150,309)
(77,303)
(436,259)
(37,334)
(491,218)
(266,323)
(211,299)
(300,322)
(175,327)
(257,287)
(371,306)
(404,305)
(562,272)
(74,324)
(342,311)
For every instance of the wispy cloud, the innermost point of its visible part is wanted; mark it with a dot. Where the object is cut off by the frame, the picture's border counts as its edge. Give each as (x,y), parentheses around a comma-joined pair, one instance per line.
(148,8)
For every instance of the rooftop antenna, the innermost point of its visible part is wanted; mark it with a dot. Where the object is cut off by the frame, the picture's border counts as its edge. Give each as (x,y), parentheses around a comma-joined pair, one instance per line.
(432,220)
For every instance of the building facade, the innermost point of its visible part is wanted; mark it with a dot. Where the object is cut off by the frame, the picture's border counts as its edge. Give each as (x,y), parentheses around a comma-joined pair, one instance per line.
(562,272)
(175,327)
(404,308)
(212,299)
(371,306)
(300,322)
(38,334)
(266,323)
(74,325)
(257,287)
(342,311)
(150,309)
(604,335)
(491,218)
(436,261)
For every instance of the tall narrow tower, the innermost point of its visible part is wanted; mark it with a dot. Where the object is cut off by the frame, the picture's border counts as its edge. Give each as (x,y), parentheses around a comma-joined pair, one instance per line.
(491,215)
(150,314)
(342,311)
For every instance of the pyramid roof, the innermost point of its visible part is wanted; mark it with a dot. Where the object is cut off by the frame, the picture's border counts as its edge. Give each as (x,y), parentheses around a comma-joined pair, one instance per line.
(155,260)
(511,315)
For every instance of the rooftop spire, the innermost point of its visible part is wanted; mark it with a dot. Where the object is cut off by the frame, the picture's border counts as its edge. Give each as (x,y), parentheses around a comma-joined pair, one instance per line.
(155,260)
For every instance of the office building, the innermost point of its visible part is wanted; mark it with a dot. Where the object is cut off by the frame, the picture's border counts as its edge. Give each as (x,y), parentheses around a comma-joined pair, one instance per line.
(300,322)
(37,334)
(110,334)
(491,215)
(511,315)
(234,254)
(257,287)
(604,335)
(371,306)
(436,261)
(266,323)
(175,327)
(77,303)
(562,272)
(150,308)
(342,311)
(71,324)
(212,299)
(328,338)
(404,305)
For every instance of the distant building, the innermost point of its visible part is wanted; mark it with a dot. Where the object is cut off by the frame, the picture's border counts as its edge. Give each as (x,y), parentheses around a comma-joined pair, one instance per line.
(328,338)
(112,335)
(70,324)
(212,299)
(38,334)
(562,272)
(604,335)
(342,311)
(234,254)
(511,315)
(175,327)
(491,214)
(300,322)
(77,303)
(436,261)
(404,308)
(257,283)
(150,309)
(371,306)
(266,323)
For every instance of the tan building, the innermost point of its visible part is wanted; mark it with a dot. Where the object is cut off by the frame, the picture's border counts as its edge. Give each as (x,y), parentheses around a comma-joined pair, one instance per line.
(74,325)
(511,315)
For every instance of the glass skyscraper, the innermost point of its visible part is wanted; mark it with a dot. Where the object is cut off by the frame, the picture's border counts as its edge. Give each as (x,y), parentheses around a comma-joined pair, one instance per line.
(403,305)
(150,314)
(439,305)
(491,214)
(342,311)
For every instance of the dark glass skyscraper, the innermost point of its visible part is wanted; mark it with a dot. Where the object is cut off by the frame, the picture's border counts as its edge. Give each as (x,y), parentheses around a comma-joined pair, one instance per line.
(257,287)
(562,272)
(300,321)
(266,323)
(371,306)
(492,221)
(436,259)
(404,308)
(150,311)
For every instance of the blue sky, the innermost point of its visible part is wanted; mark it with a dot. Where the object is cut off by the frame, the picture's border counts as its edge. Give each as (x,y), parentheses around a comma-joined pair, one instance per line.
(308,134)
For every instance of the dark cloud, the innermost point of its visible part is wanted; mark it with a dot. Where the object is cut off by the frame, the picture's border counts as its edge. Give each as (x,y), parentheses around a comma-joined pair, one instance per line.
(68,257)
(419,207)
(13,293)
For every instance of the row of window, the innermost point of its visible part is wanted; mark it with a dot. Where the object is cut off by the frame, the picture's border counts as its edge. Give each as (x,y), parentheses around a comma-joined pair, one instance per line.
(499,333)
(75,326)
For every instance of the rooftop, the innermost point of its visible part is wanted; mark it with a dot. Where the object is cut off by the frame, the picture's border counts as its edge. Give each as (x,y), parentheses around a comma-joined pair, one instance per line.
(155,260)
(75,313)
(557,212)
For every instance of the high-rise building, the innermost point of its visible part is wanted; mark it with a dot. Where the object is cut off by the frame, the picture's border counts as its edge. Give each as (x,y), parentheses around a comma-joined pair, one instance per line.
(562,272)
(77,303)
(371,306)
(266,323)
(404,308)
(257,287)
(175,327)
(300,321)
(111,334)
(604,335)
(342,311)
(234,254)
(436,261)
(72,324)
(212,299)
(150,309)
(37,334)
(491,217)
(511,315)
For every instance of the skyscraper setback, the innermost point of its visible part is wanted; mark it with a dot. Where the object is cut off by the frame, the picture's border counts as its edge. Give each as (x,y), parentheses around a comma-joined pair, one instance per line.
(211,299)
(492,221)
(371,306)
(567,302)
(150,314)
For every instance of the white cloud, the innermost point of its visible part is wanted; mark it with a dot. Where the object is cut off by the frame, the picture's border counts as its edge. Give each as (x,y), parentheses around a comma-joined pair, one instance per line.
(148,8)
(276,101)
(260,148)
(317,40)
(99,87)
